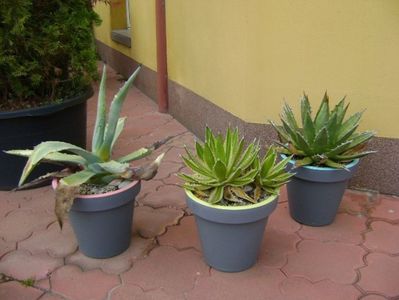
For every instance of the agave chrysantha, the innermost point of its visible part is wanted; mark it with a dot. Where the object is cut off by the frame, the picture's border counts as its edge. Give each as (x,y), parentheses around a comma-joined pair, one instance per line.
(95,166)
(327,139)
(222,169)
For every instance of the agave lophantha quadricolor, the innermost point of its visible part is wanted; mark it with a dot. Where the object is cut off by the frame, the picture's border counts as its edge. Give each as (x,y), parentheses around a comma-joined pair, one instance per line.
(222,170)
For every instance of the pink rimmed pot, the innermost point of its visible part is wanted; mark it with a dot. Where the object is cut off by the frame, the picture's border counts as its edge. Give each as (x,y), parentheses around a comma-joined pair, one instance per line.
(102,223)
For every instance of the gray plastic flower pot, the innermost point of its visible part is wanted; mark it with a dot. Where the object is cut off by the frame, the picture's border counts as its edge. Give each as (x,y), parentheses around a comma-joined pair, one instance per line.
(102,223)
(230,236)
(315,193)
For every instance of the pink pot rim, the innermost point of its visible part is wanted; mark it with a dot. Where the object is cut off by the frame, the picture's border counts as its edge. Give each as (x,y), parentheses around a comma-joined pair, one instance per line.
(54,185)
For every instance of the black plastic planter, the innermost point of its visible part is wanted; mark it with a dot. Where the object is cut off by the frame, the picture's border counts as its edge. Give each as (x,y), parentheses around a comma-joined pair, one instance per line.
(102,223)
(24,129)
(315,193)
(230,236)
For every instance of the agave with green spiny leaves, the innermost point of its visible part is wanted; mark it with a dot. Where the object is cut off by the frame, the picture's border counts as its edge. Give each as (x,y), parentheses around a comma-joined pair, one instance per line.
(226,173)
(95,166)
(328,139)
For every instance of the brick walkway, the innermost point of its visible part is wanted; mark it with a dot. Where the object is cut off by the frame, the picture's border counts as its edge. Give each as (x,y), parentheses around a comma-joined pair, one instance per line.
(357,257)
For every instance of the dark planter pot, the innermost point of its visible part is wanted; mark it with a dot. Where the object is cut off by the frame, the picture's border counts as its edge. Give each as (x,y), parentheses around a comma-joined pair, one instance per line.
(24,129)
(315,193)
(102,223)
(230,236)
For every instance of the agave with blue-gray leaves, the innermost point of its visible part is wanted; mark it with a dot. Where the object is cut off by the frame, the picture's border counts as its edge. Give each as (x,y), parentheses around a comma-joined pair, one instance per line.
(95,166)
(227,173)
(328,139)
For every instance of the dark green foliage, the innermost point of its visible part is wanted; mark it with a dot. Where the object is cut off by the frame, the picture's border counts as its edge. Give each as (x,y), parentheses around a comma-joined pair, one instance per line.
(327,139)
(47,50)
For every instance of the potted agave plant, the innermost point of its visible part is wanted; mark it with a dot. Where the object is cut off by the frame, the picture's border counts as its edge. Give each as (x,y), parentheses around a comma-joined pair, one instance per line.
(232,192)
(326,151)
(96,190)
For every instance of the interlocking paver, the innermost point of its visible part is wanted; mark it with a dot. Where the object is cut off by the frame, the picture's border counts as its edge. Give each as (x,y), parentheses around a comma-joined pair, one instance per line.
(301,289)
(115,265)
(148,187)
(257,283)
(41,200)
(146,124)
(281,220)
(175,271)
(166,169)
(173,179)
(14,290)
(183,236)
(381,274)
(383,237)
(186,139)
(131,292)
(54,241)
(149,222)
(325,260)
(345,228)
(356,202)
(7,205)
(373,297)
(51,296)
(276,246)
(73,283)
(167,195)
(387,208)
(20,264)
(6,247)
(174,155)
(19,224)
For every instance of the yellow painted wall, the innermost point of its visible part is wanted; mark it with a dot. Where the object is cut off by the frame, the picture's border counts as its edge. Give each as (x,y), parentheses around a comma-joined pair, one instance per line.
(142,15)
(247,55)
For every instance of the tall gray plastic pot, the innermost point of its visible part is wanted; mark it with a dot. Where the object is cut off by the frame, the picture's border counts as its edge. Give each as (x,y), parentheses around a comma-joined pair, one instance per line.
(230,236)
(315,193)
(102,223)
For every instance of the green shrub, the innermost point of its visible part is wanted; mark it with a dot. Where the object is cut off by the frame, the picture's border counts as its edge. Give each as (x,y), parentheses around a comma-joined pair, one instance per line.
(47,51)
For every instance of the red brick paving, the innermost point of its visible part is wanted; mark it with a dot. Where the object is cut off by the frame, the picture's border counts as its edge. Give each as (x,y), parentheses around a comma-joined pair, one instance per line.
(345,229)
(72,283)
(354,258)
(383,237)
(317,261)
(14,290)
(151,222)
(381,274)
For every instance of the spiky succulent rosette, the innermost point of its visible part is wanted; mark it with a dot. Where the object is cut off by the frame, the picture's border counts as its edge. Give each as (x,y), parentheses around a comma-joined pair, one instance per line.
(95,166)
(328,139)
(223,169)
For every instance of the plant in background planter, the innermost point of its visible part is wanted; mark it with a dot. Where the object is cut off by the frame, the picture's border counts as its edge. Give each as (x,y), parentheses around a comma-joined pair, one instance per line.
(97,191)
(47,63)
(326,152)
(231,193)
